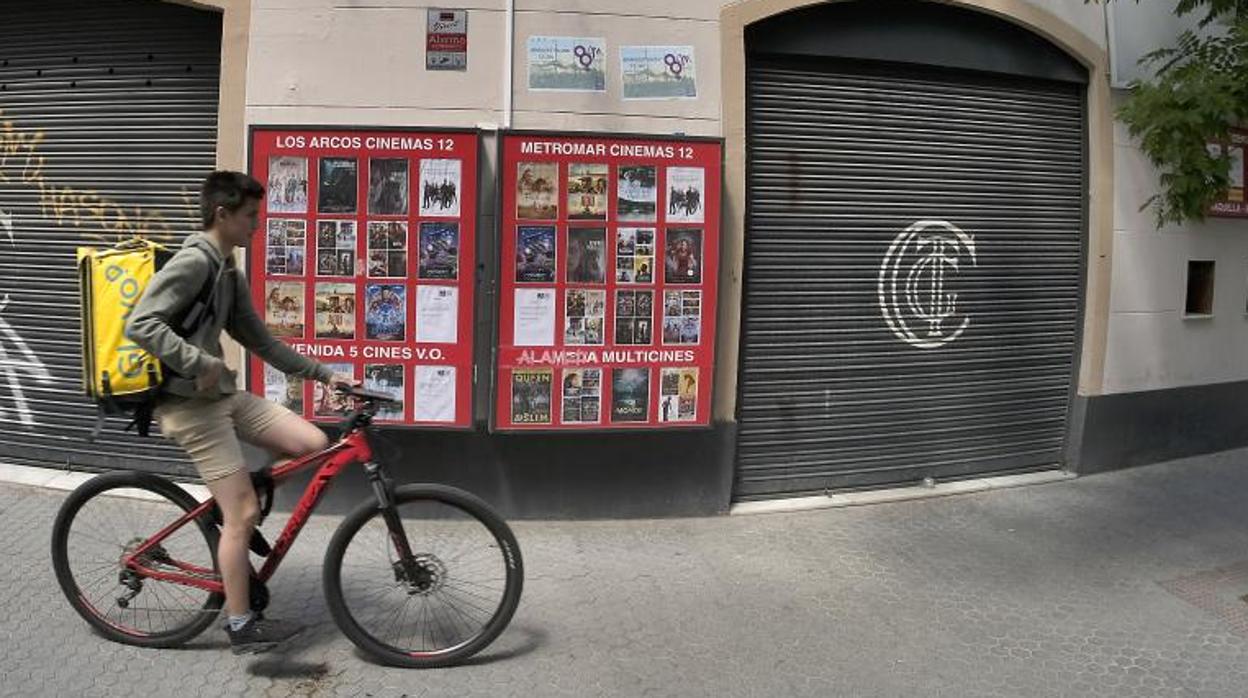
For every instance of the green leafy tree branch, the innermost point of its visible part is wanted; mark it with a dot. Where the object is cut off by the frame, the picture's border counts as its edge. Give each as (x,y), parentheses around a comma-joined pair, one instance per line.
(1199,93)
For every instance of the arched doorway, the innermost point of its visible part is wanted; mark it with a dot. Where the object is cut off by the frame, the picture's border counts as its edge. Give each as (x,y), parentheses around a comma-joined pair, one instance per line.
(916,216)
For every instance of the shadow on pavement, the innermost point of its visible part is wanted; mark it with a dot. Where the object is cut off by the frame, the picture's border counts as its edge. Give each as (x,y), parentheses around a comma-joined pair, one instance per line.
(276,666)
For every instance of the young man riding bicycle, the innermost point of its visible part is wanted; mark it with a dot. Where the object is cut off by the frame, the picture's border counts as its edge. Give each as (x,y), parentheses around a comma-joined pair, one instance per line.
(202,407)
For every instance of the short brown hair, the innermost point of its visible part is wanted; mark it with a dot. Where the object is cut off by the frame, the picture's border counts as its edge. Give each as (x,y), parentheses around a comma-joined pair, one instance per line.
(229,190)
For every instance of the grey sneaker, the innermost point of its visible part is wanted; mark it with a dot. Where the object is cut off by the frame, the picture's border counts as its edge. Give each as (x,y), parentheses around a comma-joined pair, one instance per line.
(262,635)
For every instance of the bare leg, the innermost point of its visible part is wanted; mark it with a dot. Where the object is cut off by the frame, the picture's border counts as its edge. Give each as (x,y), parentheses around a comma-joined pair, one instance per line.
(239,508)
(292,436)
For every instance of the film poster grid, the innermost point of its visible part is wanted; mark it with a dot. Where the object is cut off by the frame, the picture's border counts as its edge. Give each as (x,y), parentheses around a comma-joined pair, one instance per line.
(387,246)
(632,391)
(641,258)
(433,391)
(332,252)
(433,388)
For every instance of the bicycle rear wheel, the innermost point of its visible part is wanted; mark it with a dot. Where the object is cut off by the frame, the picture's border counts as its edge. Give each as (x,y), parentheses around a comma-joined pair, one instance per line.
(105,518)
(469,578)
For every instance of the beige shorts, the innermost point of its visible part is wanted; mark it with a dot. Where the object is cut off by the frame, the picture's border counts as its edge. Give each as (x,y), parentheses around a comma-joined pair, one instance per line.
(209,430)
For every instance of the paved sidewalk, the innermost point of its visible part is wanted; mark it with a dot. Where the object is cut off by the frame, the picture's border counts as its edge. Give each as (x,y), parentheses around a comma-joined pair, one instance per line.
(1122,584)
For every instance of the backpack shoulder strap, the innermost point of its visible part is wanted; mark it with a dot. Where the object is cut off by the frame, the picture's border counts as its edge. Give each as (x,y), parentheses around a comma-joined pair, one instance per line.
(202,307)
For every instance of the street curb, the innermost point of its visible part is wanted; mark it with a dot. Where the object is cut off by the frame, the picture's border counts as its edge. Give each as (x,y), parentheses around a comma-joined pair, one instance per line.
(900,494)
(67,480)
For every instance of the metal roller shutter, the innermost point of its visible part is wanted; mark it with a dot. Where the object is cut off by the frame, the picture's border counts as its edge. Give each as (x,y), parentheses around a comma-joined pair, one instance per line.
(108,112)
(880,345)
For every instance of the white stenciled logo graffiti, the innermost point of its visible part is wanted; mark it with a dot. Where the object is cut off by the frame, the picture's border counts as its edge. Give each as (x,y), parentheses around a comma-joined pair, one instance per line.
(16,359)
(12,368)
(914,297)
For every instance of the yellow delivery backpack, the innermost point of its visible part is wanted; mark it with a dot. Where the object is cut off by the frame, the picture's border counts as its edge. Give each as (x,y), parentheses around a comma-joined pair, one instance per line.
(122,378)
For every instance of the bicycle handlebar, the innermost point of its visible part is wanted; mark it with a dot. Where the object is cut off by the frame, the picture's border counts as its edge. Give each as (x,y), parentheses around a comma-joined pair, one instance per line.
(362,394)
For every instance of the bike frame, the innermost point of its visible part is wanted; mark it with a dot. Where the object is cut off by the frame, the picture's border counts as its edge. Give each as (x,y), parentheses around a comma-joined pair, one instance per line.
(353,447)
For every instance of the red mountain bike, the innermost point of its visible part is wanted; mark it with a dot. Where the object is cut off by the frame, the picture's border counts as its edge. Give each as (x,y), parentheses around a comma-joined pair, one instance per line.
(418,576)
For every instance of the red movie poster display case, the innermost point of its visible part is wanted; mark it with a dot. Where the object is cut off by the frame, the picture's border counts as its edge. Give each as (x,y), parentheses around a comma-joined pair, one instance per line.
(608,272)
(365,259)
(1234,203)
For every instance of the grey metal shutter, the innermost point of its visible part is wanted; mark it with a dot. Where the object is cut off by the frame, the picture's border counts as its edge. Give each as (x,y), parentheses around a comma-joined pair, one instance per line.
(842,159)
(108,123)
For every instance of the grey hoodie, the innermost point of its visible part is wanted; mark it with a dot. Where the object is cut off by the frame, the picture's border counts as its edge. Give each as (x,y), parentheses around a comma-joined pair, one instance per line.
(169,296)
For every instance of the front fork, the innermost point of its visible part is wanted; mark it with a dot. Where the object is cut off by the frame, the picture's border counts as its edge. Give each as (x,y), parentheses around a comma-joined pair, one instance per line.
(383,489)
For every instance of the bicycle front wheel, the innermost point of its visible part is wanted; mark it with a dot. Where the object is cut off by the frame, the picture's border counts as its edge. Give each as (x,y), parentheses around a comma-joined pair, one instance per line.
(455,595)
(104,520)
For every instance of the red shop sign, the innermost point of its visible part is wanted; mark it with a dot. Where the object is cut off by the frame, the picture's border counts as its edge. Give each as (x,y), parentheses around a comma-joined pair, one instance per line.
(365,259)
(1234,204)
(447,42)
(607,283)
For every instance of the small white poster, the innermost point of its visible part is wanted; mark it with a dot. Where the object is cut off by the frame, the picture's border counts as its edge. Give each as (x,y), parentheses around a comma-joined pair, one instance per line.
(658,72)
(686,187)
(535,317)
(437,314)
(439,187)
(435,394)
(568,64)
(276,385)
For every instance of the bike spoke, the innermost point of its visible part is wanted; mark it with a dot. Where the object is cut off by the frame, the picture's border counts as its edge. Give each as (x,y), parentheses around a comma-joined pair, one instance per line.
(479,585)
(101,541)
(106,566)
(448,595)
(435,627)
(465,592)
(398,619)
(163,613)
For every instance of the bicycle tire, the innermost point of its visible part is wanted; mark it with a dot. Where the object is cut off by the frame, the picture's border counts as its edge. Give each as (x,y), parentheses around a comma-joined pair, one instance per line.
(62,561)
(473,507)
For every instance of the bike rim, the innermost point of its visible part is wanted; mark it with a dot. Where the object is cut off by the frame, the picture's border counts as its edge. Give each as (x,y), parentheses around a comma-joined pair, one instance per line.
(113,522)
(460,593)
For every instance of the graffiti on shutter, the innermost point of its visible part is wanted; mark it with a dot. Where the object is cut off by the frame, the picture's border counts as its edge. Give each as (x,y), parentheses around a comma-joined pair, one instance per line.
(914,289)
(98,216)
(17,361)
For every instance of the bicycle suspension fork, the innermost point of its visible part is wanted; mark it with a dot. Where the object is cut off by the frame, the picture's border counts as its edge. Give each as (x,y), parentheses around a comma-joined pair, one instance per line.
(383,489)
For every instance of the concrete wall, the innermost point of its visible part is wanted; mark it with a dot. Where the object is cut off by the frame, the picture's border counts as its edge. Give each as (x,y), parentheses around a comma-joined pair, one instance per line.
(363,62)
(1152,344)
(345,62)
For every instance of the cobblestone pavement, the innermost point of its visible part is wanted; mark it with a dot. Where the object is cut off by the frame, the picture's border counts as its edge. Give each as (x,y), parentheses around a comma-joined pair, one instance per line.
(1121,584)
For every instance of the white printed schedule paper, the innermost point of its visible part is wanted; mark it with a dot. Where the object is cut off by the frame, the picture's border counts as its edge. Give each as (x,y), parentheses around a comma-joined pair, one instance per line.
(437,314)
(535,317)
(435,394)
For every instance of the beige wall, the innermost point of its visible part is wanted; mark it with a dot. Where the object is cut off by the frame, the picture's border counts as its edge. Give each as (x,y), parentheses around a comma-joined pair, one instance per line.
(361,62)
(1152,345)
(344,62)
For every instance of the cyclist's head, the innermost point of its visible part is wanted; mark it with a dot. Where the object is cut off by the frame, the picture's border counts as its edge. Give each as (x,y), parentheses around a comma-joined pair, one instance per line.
(225,193)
